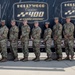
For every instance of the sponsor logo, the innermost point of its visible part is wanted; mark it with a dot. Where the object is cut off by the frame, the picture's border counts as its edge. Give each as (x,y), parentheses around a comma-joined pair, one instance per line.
(68,9)
(31,11)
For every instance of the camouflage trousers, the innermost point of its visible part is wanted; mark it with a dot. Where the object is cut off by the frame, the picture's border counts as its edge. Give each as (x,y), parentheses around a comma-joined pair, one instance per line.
(3,48)
(69,47)
(25,49)
(58,48)
(13,48)
(36,47)
(48,47)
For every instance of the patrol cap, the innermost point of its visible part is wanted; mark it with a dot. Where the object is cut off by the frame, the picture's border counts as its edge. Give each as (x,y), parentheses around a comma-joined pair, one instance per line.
(47,22)
(12,20)
(36,22)
(2,20)
(25,21)
(56,18)
(68,17)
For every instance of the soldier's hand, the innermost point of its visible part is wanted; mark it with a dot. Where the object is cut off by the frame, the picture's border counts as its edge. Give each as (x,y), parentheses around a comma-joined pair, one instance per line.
(68,35)
(31,38)
(55,38)
(65,36)
(1,37)
(9,40)
(43,42)
(21,37)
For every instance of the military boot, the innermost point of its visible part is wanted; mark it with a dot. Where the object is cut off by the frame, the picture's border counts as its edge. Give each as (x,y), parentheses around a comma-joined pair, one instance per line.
(67,58)
(3,59)
(34,59)
(16,59)
(48,59)
(37,59)
(22,59)
(25,59)
(71,58)
(59,59)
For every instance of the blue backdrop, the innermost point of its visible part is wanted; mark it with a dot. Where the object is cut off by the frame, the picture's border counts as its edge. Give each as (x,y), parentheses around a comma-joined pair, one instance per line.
(54,11)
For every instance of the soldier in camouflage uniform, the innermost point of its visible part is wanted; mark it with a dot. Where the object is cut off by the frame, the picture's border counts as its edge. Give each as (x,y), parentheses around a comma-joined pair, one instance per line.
(25,40)
(48,41)
(57,36)
(36,34)
(14,39)
(68,33)
(3,40)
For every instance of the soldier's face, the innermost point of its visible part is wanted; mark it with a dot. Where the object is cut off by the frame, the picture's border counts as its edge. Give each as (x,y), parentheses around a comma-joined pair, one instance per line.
(56,20)
(68,20)
(46,25)
(12,23)
(25,22)
(3,23)
(36,24)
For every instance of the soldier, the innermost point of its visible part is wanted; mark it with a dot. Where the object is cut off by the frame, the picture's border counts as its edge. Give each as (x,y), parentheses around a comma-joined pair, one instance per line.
(68,33)
(36,34)
(25,40)
(14,39)
(3,41)
(48,41)
(57,36)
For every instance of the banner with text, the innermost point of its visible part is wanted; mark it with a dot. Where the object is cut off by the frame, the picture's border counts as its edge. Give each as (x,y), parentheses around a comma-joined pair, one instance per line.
(31,11)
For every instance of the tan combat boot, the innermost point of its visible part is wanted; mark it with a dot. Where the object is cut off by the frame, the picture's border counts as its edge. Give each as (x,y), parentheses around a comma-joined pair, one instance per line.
(71,58)
(48,59)
(37,59)
(22,59)
(3,59)
(16,59)
(59,59)
(67,58)
(25,59)
(34,59)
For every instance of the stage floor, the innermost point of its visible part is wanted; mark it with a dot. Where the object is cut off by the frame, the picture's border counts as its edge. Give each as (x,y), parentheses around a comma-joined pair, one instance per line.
(37,68)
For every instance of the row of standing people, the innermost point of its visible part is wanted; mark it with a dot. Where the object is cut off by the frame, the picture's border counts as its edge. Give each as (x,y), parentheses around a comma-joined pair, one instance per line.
(68,31)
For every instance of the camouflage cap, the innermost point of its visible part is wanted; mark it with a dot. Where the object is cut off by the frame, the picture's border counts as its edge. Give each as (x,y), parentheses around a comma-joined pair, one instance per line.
(2,20)
(47,22)
(36,22)
(68,17)
(13,20)
(25,20)
(56,18)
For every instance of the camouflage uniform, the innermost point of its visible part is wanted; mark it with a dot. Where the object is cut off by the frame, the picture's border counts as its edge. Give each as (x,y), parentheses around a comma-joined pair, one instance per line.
(14,40)
(3,41)
(57,32)
(48,41)
(69,42)
(25,40)
(36,33)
